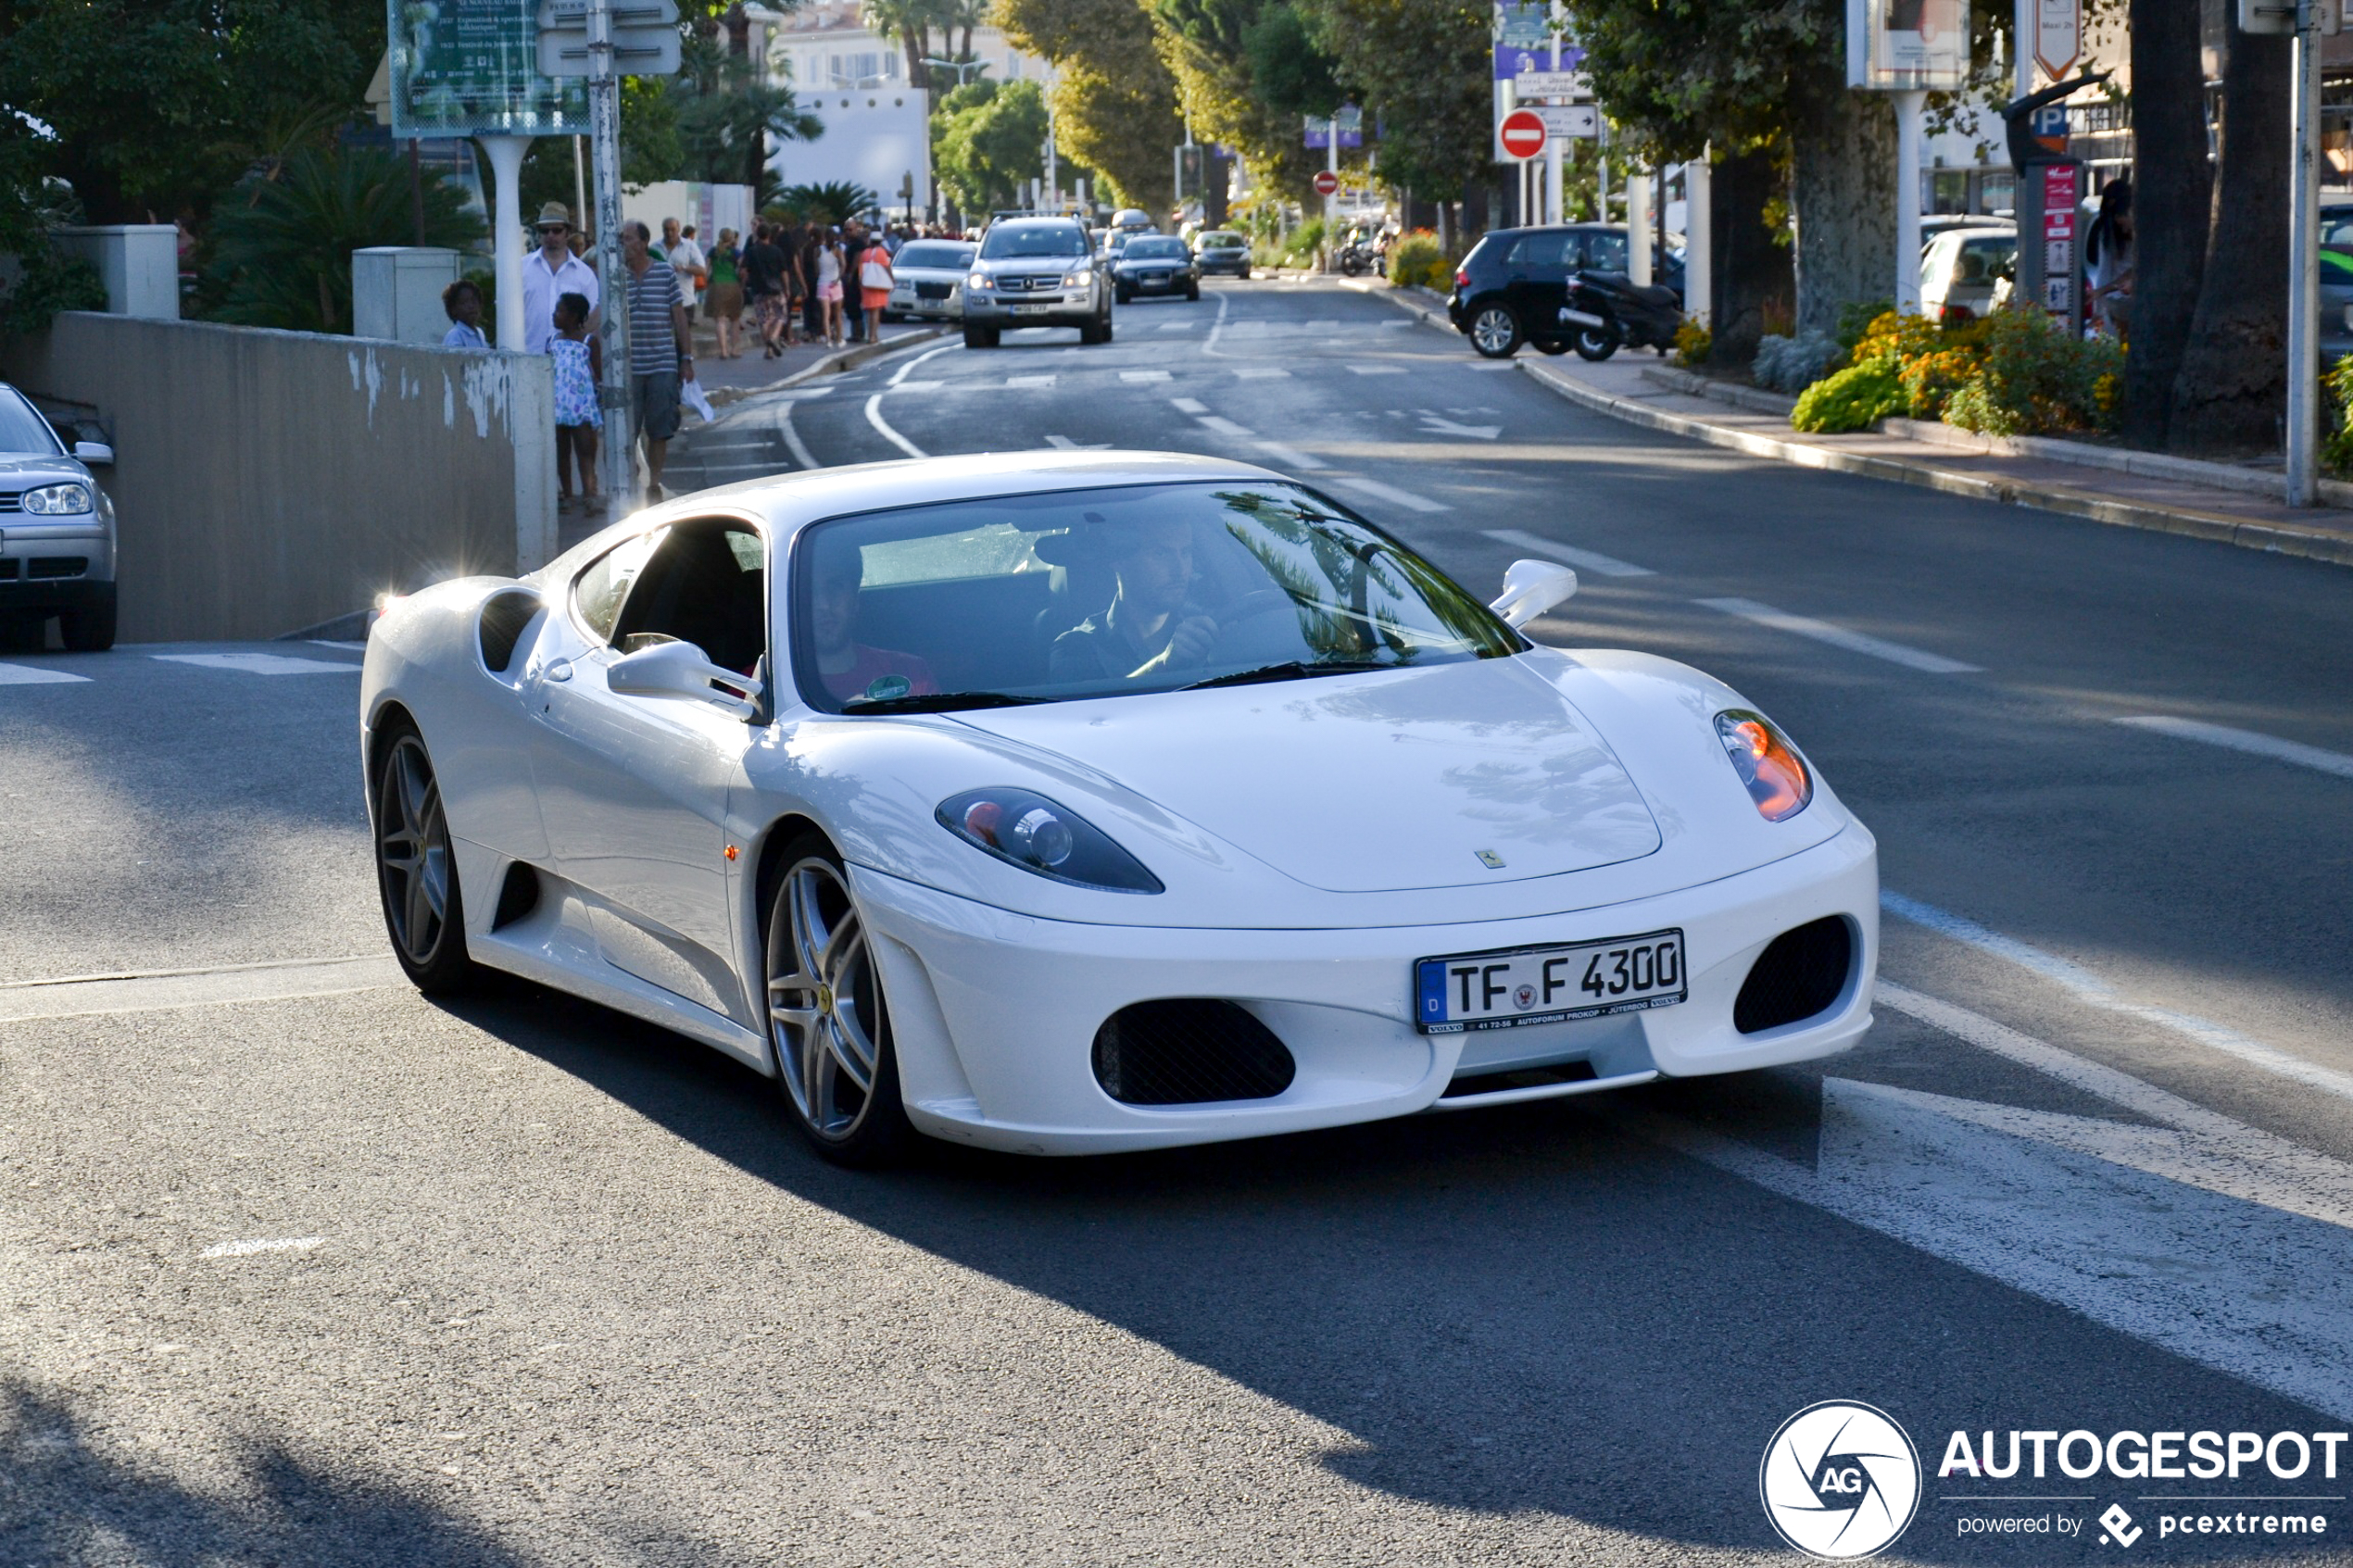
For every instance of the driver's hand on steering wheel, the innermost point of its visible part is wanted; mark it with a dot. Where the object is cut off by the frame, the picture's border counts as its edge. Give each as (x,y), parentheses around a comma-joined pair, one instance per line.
(1188,644)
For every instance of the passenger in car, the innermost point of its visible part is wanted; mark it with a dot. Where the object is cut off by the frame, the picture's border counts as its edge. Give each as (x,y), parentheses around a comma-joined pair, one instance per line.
(847,668)
(1153,624)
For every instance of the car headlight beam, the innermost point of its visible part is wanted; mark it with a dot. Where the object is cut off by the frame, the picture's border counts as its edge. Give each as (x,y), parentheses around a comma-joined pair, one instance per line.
(1776,777)
(57,500)
(980,280)
(1040,836)
(1078,280)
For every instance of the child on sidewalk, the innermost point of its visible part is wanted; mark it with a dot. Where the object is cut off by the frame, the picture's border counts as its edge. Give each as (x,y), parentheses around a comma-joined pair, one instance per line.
(580,363)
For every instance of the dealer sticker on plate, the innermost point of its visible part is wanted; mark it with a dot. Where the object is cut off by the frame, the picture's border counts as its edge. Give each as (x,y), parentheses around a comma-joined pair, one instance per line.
(1521,986)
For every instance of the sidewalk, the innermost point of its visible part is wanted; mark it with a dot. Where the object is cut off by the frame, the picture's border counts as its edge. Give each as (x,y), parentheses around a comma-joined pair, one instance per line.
(2125,489)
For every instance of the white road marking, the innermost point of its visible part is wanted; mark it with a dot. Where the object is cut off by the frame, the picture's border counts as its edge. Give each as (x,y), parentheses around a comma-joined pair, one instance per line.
(1584,560)
(331,643)
(1263,373)
(1029,380)
(2252,742)
(1391,493)
(1438,426)
(80,996)
(279,1244)
(748,466)
(899,374)
(1378,369)
(882,427)
(1484,364)
(1174,327)
(1144,375)
(1065,444)
(896,385)
(2093,991)
(1840,638)
(801,394)
(261,663)
(793,442)
(2216,1241)
(1291,458)
(1189,406)
(1223,426)
(1386,325)
(33,675)
(727,443)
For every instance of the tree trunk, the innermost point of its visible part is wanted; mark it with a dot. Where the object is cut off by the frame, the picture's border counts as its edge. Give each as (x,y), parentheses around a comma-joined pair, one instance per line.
(2171,190)
(2232,388)
(918,74)
(1842,191)
(1752,267)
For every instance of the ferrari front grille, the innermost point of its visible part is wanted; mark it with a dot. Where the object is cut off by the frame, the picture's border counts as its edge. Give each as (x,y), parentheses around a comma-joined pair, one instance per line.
(1189,1051)
(1800,973)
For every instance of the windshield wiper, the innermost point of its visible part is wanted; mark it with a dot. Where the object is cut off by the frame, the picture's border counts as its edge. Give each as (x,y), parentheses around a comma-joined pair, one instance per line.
(937,702)
(1293,669)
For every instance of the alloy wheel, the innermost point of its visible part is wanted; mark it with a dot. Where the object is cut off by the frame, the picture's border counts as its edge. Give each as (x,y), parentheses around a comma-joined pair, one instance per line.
(412,847)
(825,1002)
(1494,332)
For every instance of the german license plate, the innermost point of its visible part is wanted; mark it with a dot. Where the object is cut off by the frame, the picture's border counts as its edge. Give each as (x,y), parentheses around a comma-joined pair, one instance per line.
(1523,985)
(1031,310)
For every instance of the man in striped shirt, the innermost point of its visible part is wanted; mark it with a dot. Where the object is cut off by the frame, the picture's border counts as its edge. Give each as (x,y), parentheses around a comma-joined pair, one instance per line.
(661,347)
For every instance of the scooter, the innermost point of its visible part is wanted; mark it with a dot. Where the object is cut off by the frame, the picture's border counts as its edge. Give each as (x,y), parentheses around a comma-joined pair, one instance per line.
(1358,258)
(1606,310)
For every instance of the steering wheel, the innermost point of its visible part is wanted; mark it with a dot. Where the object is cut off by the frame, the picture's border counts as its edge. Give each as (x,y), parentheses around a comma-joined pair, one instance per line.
(1250,607)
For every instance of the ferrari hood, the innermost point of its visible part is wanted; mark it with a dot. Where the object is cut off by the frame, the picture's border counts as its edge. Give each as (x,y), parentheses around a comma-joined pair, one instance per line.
(1455,774)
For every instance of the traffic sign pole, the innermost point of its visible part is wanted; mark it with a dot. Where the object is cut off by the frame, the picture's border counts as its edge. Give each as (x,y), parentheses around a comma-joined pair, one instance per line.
(2304,270)
(612,317)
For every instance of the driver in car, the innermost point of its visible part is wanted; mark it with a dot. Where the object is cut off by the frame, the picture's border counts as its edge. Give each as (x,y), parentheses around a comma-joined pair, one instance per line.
(850,669)
(1153,625)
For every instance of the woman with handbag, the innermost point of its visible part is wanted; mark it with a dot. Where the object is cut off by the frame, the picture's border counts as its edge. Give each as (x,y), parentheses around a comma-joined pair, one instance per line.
(873,287)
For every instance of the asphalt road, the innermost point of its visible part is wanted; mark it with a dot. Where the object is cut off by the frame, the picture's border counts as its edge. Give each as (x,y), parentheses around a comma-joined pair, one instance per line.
(521,1281)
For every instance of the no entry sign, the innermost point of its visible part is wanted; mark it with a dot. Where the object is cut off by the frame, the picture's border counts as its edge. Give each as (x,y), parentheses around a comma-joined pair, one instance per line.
(1326,182)
(1522,134)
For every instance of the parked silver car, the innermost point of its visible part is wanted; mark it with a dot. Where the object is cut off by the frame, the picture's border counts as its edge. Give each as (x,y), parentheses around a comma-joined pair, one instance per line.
(57,529)
(1035,272)
(927,280)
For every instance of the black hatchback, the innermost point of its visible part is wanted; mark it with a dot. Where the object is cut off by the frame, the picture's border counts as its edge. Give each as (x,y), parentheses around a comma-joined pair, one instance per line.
(1510,289)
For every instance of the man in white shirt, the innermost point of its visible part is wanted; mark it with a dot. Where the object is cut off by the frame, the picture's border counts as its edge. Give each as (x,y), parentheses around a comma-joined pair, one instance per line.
(549,274)
(685,258)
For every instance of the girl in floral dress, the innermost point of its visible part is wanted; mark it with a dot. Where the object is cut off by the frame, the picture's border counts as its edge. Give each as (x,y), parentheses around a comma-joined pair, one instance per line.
(580,363)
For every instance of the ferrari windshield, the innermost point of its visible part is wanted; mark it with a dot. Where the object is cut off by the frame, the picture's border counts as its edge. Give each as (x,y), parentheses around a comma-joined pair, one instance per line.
(1100,592)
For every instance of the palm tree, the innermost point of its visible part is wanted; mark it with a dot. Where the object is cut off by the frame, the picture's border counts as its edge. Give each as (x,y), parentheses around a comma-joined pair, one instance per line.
(910,23)
(726,118)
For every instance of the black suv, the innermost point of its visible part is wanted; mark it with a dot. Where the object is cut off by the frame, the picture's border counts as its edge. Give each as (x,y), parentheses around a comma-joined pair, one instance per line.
(1513,285)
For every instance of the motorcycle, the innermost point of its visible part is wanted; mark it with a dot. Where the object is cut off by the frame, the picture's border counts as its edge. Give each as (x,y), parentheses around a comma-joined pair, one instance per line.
(1357,258)
(1607,309)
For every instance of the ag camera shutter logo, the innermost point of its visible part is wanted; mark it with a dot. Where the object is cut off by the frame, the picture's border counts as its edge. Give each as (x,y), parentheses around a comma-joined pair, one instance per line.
(1840,1480)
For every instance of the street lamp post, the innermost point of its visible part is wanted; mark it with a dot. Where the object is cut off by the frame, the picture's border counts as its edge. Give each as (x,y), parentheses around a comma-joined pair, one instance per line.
(612,282)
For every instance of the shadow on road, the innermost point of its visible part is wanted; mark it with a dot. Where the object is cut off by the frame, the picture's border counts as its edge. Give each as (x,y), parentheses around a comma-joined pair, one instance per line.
(1518,1309)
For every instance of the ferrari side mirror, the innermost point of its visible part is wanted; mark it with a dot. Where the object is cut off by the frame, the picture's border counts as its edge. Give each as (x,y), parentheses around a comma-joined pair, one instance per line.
(682,669)
(1530,588)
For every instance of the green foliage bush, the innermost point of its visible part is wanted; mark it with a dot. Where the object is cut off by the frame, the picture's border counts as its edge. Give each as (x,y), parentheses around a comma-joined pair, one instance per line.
(1693,342)
(48,283)
(2039,379)
(1854,398)
(1416,261)
(2336,387)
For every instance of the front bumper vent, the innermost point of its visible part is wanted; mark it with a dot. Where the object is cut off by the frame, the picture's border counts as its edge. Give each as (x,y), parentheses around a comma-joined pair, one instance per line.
(1189,1051)
(1800,973)
(57,566)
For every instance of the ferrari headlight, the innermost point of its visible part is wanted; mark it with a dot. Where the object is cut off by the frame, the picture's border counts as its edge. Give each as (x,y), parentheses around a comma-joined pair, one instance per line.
(1039,836)
(57,500)
(1767,764)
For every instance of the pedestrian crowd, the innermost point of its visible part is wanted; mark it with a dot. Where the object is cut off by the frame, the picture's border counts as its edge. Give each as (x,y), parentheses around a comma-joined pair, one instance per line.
(804,282)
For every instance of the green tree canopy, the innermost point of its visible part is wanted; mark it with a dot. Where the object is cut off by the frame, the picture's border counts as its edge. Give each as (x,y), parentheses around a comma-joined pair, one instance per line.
(1114,101)
(987,142)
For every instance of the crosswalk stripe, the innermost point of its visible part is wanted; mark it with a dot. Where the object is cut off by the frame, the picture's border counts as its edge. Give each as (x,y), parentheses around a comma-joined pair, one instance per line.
(1584,560)
(35,675)
(1840,638)
(2253,742)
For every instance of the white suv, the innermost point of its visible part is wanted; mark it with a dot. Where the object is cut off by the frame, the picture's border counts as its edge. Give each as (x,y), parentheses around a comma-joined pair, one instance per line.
(1035,272)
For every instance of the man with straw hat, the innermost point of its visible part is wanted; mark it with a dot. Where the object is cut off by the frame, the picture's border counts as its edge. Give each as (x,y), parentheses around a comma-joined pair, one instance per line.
(549,274)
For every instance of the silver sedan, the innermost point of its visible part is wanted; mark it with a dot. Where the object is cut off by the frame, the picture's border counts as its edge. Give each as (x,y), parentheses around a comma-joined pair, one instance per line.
(928,280)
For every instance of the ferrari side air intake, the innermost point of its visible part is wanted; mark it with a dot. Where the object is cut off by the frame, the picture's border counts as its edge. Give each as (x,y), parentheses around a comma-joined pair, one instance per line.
(1189,1051)
(1800,973)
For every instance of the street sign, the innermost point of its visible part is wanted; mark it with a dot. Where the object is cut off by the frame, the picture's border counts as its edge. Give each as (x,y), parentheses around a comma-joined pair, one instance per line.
(1326,183)
(466,68)
(1569,120)
(1522,134)
(2059,34)
(645,37)
(1554,83)
(1319,131)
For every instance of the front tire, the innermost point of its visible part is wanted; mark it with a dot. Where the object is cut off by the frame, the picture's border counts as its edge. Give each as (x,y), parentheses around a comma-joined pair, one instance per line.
(1496,332)
(829,1036)
(980,337)
(1124,297)
(90,629)
(1193,293)
(416,873)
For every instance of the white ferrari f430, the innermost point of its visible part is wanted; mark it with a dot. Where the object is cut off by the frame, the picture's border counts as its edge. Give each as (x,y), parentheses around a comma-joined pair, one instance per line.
(1077,802)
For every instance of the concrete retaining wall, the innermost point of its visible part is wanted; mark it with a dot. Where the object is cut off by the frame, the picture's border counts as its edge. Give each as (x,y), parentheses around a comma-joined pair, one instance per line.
(266,482)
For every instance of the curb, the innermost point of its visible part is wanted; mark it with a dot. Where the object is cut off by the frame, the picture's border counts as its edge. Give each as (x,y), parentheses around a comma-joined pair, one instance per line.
(2286,540)
(840,360)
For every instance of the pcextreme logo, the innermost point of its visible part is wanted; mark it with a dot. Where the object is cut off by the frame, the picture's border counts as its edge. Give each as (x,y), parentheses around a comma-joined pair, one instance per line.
(1840,1480)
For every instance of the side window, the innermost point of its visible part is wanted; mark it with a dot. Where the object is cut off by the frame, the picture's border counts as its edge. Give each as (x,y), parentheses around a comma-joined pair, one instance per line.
(704,583)
(1539,253)
(597,592)
(1604,252)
